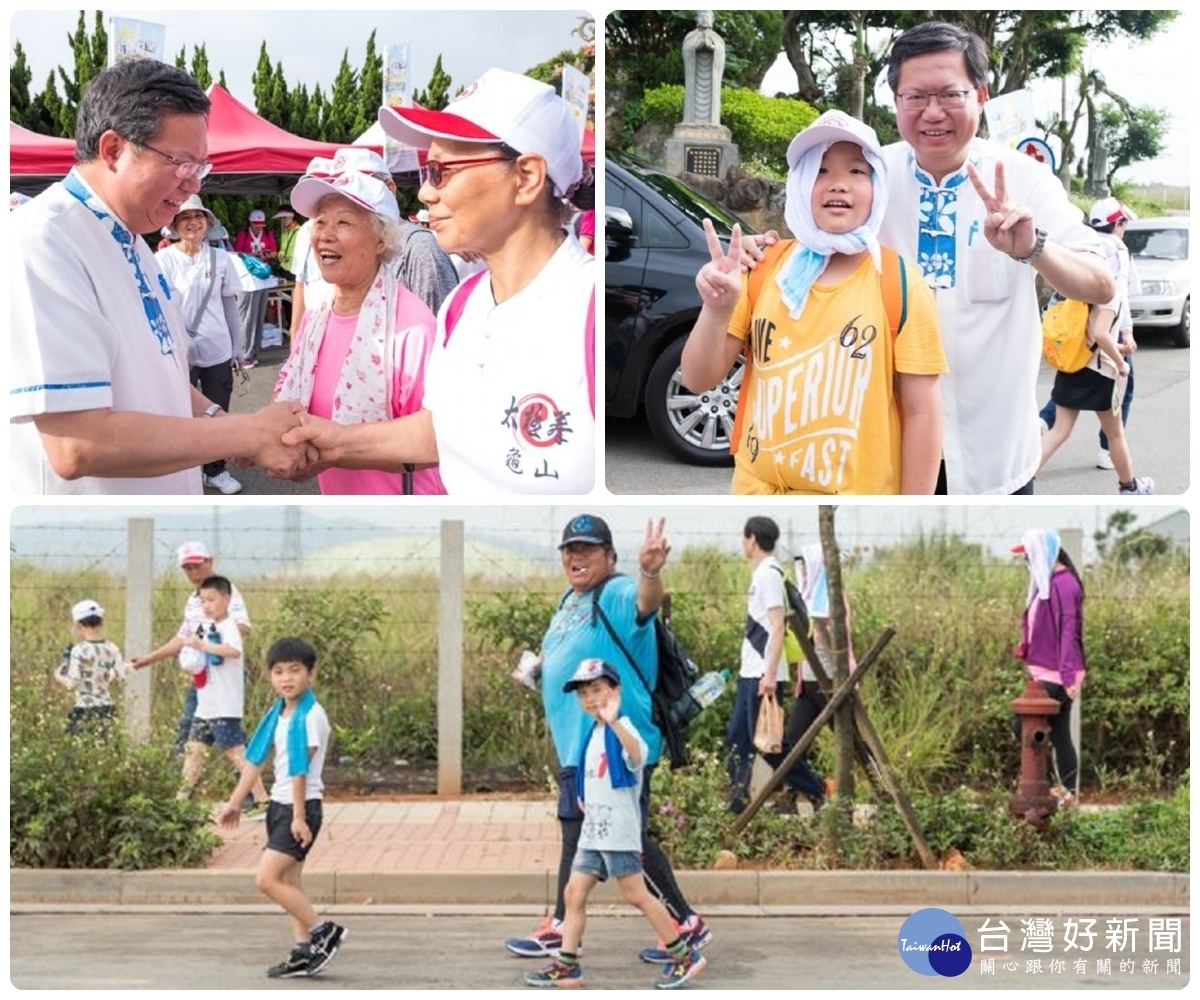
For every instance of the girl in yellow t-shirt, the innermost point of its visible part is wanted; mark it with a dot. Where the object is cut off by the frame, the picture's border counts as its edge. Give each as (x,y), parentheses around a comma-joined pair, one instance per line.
(834,402)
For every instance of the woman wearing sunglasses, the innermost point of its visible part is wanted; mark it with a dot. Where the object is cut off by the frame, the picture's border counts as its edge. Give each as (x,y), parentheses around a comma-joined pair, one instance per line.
(509,398)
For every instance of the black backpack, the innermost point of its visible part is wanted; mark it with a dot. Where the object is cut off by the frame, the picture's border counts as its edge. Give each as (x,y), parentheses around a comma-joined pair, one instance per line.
(672,706)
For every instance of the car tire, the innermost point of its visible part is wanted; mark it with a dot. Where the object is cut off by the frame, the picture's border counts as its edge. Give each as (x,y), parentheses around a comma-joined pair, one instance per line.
(1181,335)
(693,427)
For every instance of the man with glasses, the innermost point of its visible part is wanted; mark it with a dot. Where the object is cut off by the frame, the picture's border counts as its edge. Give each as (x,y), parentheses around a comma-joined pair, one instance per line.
(100,401)
(983,221)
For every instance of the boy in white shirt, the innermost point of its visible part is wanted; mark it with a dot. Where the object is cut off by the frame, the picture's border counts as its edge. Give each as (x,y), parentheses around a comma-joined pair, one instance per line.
(297,727)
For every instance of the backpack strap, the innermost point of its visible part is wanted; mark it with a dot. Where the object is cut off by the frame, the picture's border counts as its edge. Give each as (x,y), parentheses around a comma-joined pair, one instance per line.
(894,285)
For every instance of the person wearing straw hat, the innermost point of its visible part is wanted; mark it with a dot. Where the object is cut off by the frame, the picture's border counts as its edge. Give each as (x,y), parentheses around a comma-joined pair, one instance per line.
(509,396)
(208,286)
(360,353)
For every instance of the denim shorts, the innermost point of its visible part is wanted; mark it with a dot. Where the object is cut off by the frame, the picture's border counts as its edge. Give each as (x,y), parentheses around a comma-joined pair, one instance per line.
(607,864)
(224,734)
(279,828)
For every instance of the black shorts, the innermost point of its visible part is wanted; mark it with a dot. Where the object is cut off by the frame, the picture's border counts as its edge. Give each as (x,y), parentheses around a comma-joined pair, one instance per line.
(279,828)
(1085,389)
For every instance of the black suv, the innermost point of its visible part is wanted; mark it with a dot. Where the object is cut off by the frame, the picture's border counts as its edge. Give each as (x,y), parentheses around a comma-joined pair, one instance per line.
(653,248)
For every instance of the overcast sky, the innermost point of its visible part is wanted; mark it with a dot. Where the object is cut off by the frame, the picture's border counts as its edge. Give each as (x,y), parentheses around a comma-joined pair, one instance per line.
(310,44)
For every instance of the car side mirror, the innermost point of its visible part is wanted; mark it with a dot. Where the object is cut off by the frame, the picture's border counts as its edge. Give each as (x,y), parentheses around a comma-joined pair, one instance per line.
(618,228)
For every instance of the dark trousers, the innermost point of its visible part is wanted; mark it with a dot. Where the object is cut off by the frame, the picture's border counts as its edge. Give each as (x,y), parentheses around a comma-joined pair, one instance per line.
(1066,762)
(656,869)
(215,382)
(739,741)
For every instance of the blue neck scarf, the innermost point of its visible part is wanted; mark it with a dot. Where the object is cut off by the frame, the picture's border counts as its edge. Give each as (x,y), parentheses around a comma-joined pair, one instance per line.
(618,770)
(297,735)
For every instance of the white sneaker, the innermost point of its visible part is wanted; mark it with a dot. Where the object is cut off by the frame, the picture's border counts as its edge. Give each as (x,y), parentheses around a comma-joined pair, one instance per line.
(1141,486)
(224,482)
(1104,460)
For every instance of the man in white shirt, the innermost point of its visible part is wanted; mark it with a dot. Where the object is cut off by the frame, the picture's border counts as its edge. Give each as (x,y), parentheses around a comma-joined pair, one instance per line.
(981,220)
(100,401)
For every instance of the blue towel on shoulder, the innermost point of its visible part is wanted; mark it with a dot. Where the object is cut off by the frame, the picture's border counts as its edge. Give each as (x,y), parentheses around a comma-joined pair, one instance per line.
(618,771)
(297,735)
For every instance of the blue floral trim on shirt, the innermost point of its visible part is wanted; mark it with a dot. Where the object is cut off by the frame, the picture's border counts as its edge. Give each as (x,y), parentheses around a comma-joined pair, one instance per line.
(937,225)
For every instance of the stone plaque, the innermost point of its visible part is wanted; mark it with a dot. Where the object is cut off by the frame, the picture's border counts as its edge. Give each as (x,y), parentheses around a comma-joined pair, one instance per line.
(704,160)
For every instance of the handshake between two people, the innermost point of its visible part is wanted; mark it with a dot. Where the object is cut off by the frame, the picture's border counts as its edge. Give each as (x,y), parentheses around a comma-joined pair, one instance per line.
(290,443)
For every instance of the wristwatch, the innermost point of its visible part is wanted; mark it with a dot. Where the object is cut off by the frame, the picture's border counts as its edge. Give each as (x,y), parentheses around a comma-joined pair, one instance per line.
(1039,244)
(212,409)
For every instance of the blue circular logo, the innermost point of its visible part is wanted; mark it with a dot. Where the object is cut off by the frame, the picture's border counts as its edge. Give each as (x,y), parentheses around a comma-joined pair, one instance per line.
(933,943)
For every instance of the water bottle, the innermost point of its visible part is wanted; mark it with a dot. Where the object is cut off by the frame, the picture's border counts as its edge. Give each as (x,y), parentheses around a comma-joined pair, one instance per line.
(215,638)
(709,687)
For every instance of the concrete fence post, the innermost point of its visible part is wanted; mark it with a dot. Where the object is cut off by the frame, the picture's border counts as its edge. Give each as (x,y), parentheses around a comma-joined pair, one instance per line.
(139,622)
(450,660)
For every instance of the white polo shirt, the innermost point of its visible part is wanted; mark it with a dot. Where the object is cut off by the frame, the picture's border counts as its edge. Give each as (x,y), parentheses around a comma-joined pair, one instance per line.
(80,340)
(766,592)
(990,321)
(509,390)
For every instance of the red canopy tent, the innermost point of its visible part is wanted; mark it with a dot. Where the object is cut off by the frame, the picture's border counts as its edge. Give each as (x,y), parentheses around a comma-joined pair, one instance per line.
(589,145)
(36,161)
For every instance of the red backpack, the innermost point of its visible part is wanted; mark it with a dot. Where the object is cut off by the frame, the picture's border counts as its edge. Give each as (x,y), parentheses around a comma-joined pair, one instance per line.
(894,279)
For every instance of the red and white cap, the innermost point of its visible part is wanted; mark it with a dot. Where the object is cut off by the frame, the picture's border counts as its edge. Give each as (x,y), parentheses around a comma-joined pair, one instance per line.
(193,552)
(258,215)
(1108,211)
(500,107)
(86,609)
(349,174)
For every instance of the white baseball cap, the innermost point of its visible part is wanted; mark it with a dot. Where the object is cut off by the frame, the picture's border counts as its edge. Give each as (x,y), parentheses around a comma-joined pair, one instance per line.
(833,126)
(86,609)
(258,216)
(193,552)
(1107,211)
(364,190)
(500,107)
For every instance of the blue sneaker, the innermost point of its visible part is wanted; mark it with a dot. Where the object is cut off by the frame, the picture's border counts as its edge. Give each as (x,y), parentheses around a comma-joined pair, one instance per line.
(556,974)
(542,943)
(678,971)
(693,930)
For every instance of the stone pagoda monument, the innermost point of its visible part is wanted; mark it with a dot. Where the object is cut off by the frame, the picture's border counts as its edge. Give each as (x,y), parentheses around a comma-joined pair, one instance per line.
(700,143)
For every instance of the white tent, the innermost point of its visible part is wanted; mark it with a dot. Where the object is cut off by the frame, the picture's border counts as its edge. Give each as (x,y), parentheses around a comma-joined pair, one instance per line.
(401,158)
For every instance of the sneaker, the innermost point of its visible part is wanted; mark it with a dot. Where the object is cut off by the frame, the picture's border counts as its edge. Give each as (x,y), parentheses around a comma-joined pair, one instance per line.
(326,940)
(1141,486)
(1104,459)
(224,482)
(296,964)
(544,941)
(556,974)
(678,971)
(248,362)
(693,930)
(255,811)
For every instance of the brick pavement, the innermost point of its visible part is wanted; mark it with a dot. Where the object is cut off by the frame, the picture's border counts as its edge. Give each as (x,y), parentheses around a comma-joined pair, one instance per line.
(471,835)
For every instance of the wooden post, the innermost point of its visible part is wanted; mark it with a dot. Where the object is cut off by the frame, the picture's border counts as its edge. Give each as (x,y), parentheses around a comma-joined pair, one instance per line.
(450,660)
(139,602)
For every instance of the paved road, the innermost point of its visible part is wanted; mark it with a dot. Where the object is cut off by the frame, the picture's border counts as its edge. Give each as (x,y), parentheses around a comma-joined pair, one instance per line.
(1159,435)
(230,950)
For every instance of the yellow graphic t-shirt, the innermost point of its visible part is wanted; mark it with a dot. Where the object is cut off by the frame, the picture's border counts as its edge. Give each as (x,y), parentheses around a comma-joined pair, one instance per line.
(822,412)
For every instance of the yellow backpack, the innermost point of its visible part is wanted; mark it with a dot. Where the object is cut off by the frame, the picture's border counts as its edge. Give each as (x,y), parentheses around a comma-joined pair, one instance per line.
(1064,335)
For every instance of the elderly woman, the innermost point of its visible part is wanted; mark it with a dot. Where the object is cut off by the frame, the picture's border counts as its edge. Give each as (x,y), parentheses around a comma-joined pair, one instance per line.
(206,279)
(509,398)
(360,353)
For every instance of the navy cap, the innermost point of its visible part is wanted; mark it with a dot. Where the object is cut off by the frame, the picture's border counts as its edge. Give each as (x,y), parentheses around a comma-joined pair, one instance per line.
(591,670)
(586,528)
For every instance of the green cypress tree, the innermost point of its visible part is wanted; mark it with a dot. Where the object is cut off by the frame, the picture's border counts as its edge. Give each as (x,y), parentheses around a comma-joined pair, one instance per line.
(370,89)
(436,95)
(343,105)
(19,77)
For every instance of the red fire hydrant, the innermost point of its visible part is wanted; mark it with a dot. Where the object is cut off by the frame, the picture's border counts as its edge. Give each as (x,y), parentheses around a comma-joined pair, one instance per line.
(1033,801)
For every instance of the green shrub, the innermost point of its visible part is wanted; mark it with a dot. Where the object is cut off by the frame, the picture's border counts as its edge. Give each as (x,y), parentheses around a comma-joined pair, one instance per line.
(95,800)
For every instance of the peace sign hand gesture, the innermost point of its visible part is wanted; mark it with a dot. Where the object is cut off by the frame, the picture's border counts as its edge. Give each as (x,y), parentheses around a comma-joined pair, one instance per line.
(655,549)
(1008,225)
(720,280)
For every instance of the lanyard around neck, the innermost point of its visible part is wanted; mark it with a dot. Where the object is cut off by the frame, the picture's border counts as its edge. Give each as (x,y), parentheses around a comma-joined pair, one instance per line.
(128,244)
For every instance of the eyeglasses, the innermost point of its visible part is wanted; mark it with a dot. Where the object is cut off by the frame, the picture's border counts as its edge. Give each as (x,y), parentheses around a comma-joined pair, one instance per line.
(184,169)
(948,100)
(434,172)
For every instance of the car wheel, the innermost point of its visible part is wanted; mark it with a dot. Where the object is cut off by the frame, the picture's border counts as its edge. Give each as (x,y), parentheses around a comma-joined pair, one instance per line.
(1182,334)
(693,426)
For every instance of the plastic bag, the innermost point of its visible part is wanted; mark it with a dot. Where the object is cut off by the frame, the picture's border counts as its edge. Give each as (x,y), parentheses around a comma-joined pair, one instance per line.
(768,731)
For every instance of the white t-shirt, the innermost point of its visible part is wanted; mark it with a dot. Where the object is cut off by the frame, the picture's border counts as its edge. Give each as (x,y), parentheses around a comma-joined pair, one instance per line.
(316,725)
(193,617)
(612,817)
(191,276)
(766,592)
(990,322)
(80,339)
(509,393)
(223,696)
(305,267)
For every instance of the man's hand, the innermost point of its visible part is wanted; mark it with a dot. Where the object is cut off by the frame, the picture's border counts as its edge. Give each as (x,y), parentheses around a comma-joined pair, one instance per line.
(655,548)
(752,248)
(300,830)
(229,816)
(322,441)
(720,280)
(1008,225)
(280,457)
(138,662)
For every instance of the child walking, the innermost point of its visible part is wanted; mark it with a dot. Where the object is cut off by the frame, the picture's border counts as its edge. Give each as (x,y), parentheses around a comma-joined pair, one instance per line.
(297,728)
(215,657)
(89,666)
(841,339)
(609,782)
